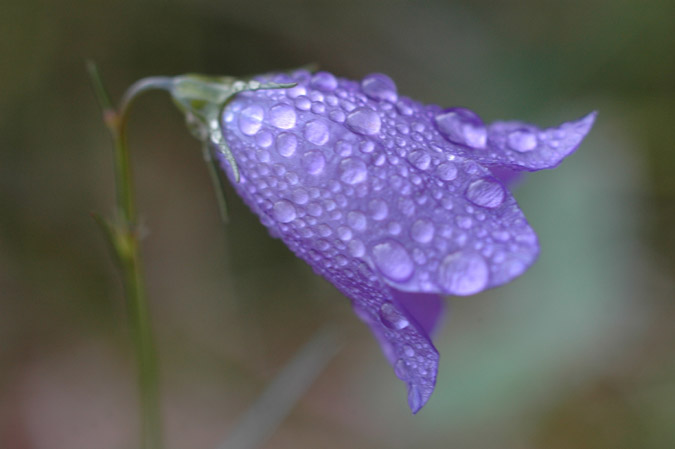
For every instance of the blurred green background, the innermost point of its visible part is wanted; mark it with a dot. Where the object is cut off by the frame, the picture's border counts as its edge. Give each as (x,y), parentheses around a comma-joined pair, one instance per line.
(577,353)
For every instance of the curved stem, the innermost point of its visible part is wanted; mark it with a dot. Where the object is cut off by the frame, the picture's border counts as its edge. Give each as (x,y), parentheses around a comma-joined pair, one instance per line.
(125,241)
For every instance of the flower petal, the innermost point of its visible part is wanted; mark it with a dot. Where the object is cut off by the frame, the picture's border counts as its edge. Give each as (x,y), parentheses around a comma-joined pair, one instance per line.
(392,201)
(522,146)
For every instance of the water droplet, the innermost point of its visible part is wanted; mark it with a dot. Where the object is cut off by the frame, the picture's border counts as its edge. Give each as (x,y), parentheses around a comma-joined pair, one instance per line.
(313,162)
(522,140)
(414,398)
(420,159)
(379,87)
(364,121)
(462,126)
(344,148)
(250,119)
(264,139)
(324,81)
(378,209)
(353,171)
(303,103)
(356,248)
(394,228)
(282,116)
(392,317)
(344,233)
(336,115)
(317,132)
(401,370)
(357,221)
(408,350)
(486,192)
(393,261)
(422,231)
(286,144)
(284,211)
(447,171)
(464,222)
(314,209)
(463,273)
(300,196)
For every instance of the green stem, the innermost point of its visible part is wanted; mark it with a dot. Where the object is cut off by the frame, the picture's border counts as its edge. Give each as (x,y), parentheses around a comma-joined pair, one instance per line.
(125,240)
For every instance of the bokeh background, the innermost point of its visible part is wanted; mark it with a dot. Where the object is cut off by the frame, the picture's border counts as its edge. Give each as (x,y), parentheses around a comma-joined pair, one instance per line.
(577,353)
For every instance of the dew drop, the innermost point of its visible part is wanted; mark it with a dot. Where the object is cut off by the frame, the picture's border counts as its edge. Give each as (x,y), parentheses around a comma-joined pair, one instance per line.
(379,87)
(422,231)
(408,351)
(378,209)
(303,103)
(324,81)
(420,159)
(282,116)
(393,261)
(286,144)
(485,192)
(353,171)
(401,370)
(414,398)
(264,139)
(356,248)
(522,140)
(317,132)
(250,119)
(447,171)
(462,126)
(463,273)
(344,233)
(392,317)
(314,209)
(364,121)
(284,211)
(313,162)
(357,221)
(300,196)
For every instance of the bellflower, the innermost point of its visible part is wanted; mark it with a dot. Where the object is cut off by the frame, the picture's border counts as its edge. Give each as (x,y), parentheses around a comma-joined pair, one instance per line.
(394,202)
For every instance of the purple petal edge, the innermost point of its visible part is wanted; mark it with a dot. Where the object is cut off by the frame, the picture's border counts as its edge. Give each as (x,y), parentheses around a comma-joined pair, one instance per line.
(522,146)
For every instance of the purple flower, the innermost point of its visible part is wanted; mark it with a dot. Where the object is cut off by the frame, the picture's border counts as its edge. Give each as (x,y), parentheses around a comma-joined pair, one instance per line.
(394,202)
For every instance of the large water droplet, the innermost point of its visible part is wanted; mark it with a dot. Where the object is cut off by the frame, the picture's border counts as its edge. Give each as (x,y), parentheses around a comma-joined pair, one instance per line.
(463,273)
(286,144)
(379,87)
(486,192)
(282,116)
(317,132)
(353,170)
(324,81)
(420,159)
(364,121)
(462,126)
(250,119)
(284,211)
(522,140)
(393,261)
(408,351)
(422,231)
(313,162)
(392,317)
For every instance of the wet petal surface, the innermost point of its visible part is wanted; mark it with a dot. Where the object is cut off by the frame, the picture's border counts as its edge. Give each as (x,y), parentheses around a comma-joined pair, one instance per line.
(392,201)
